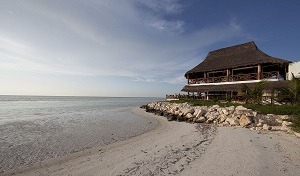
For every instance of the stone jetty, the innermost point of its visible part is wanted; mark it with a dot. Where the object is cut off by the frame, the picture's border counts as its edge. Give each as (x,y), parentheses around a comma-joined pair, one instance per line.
(220,116)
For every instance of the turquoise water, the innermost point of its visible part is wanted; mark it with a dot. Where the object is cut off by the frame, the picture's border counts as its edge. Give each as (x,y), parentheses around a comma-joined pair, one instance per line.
(35,128)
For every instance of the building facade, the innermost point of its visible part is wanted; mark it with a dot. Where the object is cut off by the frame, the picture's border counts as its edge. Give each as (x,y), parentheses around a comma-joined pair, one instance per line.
(294,69)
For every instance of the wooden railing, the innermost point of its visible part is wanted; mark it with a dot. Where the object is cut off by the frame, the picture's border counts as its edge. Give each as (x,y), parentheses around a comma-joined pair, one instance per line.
(233,78)
(270,75)
(244,77)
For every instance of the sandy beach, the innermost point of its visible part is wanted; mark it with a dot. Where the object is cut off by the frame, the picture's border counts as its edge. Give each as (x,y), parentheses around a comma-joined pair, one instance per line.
(174,148)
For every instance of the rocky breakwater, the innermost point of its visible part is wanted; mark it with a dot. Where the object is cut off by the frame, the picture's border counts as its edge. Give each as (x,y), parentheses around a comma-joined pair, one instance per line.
(220,116)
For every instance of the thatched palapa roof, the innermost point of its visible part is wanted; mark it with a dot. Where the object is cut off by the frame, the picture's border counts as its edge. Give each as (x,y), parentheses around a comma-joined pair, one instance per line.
(242,55)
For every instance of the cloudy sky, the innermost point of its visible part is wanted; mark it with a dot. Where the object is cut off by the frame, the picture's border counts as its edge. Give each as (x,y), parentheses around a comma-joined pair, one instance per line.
(130,47)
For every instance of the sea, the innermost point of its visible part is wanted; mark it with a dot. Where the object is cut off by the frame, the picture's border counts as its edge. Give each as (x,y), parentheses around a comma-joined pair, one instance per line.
(36,128)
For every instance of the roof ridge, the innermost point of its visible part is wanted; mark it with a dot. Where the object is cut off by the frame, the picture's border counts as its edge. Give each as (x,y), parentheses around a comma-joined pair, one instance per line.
(251,43)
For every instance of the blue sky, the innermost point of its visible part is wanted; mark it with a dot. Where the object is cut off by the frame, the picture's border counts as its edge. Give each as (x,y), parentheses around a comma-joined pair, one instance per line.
(130,48)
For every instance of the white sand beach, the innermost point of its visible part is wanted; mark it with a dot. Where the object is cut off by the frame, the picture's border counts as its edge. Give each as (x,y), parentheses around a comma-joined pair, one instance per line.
(175,148)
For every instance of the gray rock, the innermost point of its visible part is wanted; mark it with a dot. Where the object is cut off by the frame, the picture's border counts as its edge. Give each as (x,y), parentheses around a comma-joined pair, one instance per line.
(187,111)
(200,119)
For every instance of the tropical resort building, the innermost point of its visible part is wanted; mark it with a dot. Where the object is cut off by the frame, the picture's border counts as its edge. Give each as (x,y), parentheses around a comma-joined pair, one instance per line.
(224,71)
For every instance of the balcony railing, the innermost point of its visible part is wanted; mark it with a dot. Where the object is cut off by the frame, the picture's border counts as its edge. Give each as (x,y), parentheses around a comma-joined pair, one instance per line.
(234,78)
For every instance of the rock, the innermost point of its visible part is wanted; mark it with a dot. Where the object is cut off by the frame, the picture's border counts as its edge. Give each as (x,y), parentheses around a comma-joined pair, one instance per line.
(215,106)
(211,119)
(188,111)
(259,125)
(200,119)
(285,117)
(225,111)
(179,118)
(200,113)
(240,108)
(261,121)
(267,127)
(297,134)
(278,121)
(222,118)
(189,115)
(232,121)
(170,118)
(285,126)
(245,121)
(258,128)
(254,113)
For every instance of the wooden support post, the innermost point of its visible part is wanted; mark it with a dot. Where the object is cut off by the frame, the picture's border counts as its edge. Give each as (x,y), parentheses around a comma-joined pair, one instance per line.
(228,73)
(259,71)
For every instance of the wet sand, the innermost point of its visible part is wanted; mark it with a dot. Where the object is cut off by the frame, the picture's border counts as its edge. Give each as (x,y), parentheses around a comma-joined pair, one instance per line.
(182,149)
(25,142)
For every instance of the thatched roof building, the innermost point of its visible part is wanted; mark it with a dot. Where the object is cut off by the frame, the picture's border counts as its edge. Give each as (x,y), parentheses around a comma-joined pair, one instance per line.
(247,54)
(227,68)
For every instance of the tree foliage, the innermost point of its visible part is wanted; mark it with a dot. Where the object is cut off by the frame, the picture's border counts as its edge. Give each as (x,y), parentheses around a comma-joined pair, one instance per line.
(253,95)
(291,94)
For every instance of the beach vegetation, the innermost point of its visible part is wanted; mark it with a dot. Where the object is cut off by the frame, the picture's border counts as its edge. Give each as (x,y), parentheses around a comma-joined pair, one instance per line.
(253,95)
(290,94)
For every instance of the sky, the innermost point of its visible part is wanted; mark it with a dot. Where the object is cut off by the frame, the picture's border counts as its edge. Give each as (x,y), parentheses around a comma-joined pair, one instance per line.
(135,48)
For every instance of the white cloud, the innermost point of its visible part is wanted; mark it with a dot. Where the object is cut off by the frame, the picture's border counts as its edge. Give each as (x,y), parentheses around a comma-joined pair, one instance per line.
(164,6)
(105,38)
(170,26)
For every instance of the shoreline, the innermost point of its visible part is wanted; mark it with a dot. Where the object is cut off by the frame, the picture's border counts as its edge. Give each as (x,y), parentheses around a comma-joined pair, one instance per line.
(123,155)
(24,143)
(175,148)
(89,151)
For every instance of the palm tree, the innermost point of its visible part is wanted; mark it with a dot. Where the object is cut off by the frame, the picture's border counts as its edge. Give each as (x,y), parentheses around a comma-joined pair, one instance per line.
(292,93)
(254,94)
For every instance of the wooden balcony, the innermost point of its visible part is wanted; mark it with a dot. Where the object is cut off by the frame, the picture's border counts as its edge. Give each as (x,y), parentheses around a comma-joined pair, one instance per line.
(234,78)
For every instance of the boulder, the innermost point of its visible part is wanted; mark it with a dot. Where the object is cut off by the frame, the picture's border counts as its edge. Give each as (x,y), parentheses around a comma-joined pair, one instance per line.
(254,113)
(222,118)
(211,119)
(285,117)
(267,127)
(245,121)
(259,125)
(232,121)
(225,111)
(240,108)
(188,111)
(297,134)
(189,115)
(285,126)
(200,119)
(200,113)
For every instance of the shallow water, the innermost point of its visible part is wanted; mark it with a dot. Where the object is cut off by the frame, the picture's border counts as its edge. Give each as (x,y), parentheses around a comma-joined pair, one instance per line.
(34,128)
